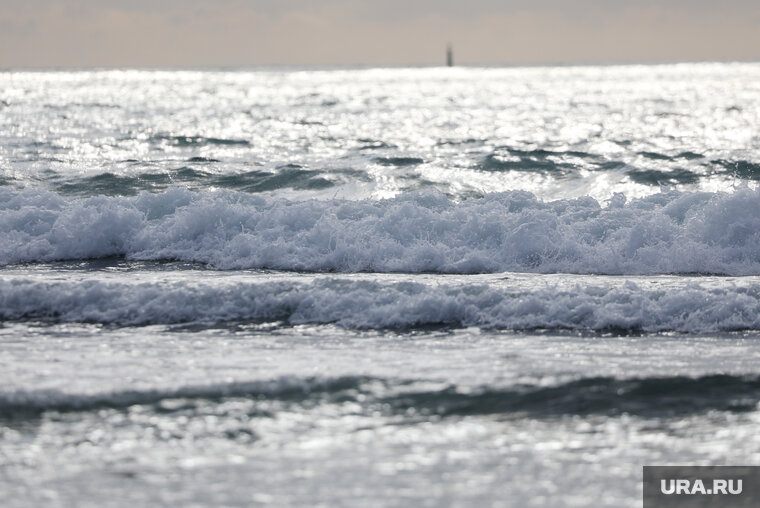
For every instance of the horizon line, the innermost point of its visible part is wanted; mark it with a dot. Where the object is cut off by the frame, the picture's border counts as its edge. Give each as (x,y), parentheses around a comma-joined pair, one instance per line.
(360,66)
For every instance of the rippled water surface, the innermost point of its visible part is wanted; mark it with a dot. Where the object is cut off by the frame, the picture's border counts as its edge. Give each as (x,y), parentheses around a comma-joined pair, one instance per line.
(556,132)
(376,287)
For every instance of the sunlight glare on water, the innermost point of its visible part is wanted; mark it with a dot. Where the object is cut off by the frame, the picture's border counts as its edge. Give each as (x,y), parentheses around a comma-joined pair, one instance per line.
(557,132)
(376,287)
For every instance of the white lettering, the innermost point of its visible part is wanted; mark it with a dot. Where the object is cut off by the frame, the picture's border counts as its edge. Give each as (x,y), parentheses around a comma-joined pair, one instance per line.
(679,487)
(665,490)
(698,488)
(719,486)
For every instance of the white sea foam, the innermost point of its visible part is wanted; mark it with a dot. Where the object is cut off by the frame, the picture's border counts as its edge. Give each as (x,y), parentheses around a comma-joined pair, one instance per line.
(370,304)
(514,231)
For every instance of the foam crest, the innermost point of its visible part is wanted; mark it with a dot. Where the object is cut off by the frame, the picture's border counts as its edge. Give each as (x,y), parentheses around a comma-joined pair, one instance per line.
(365,304)
(671,232)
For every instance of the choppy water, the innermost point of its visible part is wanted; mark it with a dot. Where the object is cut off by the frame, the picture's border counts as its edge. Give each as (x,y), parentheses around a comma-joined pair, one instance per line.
(388,287)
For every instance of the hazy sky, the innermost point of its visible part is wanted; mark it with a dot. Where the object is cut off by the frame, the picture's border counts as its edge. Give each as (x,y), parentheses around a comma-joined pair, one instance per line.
(35,33)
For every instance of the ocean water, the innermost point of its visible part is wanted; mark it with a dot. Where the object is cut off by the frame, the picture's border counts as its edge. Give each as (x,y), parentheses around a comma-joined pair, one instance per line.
(376,287)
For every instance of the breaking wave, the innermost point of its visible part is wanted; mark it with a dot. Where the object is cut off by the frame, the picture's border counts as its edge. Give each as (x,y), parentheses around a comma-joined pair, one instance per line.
(672,232)
(366,304)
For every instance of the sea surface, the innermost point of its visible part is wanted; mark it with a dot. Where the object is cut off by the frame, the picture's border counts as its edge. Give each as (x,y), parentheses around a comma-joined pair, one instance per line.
(506,287)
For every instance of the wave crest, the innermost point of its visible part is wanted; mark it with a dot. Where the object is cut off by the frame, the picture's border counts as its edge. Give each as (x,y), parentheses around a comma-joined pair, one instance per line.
(657,396)
(367,304)
(417,232)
